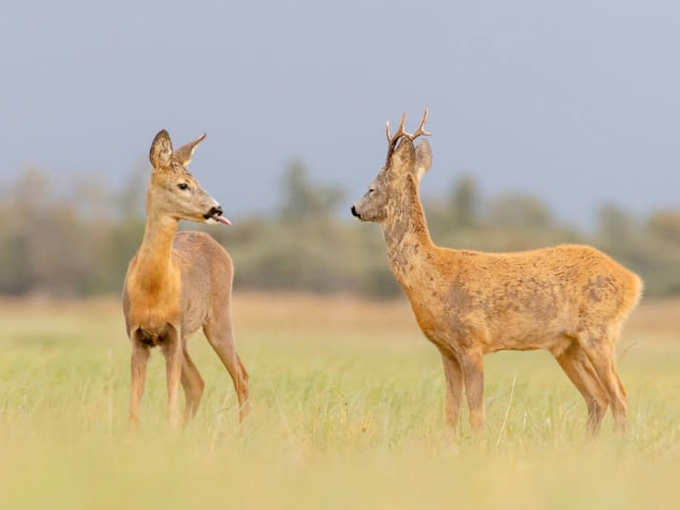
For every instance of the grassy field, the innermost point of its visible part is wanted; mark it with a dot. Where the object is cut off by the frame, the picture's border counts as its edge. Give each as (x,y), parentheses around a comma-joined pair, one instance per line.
(347,412)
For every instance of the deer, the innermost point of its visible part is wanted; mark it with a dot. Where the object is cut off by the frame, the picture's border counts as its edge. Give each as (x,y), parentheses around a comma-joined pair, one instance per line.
(571,300)
(178,282)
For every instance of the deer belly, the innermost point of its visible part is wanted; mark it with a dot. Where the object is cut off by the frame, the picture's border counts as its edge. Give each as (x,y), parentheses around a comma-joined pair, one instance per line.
(524,334)
(193,318)
(488,333)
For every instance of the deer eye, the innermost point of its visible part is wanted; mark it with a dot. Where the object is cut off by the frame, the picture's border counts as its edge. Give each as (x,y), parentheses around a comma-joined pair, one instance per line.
(371,190)
(183,185)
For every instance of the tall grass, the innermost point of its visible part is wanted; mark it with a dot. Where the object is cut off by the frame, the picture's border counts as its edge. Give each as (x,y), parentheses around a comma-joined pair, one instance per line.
(347,412)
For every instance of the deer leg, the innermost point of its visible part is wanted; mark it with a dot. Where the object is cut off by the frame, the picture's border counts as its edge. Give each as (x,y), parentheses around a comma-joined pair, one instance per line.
(454,388)
(193,385)
(595,414)
(172,350)
(221,337)
(580,371)
(473,374)
(138,362)
(600,352)
(621,388)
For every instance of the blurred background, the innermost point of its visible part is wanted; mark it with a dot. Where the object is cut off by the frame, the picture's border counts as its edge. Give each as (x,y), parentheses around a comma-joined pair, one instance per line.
(551,123)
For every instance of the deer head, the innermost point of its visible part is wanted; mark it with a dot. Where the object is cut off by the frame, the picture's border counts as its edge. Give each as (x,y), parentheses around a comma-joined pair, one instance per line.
(404,166)
(173,191)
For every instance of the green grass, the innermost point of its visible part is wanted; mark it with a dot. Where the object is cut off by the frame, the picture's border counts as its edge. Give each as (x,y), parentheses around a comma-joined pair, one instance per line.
(347,412)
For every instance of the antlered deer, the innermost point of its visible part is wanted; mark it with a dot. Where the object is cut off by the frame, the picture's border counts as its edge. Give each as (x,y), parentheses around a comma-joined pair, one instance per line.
(571,300)
(178,283)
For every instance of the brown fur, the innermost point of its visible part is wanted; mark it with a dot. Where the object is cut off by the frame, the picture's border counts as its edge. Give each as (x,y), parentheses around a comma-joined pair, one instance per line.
(176,284)
(570,300)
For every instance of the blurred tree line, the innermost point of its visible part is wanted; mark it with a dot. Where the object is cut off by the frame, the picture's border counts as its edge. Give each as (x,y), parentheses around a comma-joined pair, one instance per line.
(78,241)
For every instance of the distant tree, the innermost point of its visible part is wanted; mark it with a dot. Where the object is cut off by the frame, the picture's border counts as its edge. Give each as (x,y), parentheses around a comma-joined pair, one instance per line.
(31,191)
(20,213)
(302,199)
(519,211)
(131,198)
(665,225)
(614,225)
(465,202)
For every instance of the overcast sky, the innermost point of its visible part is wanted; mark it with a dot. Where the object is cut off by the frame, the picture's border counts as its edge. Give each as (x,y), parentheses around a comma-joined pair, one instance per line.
(576,101)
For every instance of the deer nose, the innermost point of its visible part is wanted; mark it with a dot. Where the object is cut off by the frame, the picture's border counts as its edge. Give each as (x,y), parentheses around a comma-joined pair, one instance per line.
(214,211)
(354,212)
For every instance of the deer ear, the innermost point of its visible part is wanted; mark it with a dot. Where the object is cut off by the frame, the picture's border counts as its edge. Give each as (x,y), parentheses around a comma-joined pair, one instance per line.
(161,150)
(403,156)
(186,152)
(423,159)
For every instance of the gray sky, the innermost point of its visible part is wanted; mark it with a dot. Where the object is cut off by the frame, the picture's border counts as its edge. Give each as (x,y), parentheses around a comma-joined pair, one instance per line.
(575,101)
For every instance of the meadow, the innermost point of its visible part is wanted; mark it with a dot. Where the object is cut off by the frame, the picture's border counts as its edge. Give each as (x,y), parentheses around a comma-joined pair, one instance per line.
(347,412)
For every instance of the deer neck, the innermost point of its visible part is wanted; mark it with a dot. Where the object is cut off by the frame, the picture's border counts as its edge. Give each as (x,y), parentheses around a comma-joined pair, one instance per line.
(154,258)
(407,237)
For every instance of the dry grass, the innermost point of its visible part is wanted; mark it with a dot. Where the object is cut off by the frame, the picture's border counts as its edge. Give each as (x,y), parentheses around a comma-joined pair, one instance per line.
(347,412)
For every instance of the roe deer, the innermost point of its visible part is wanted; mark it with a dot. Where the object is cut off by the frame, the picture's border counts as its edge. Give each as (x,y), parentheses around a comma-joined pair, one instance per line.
(178,283)
(571,300)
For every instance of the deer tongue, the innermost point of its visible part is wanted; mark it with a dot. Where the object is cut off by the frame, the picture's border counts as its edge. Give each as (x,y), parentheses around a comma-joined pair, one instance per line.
(222,219)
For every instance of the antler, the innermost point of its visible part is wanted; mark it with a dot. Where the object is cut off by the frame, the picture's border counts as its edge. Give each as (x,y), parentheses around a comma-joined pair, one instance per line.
(421,126)
(400,132)
(392,140)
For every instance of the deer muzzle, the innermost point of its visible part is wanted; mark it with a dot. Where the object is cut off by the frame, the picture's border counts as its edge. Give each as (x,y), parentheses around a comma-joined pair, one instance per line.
(216,214)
